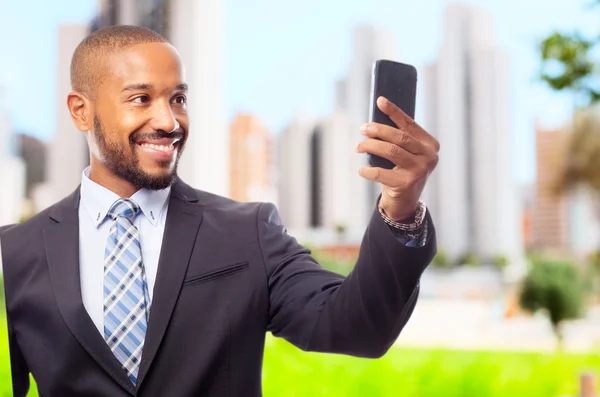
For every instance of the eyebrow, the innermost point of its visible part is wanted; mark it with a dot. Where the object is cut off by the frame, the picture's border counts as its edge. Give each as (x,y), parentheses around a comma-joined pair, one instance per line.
(146,87)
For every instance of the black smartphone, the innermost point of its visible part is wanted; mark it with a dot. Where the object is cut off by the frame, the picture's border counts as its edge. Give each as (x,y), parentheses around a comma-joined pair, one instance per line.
(397,82)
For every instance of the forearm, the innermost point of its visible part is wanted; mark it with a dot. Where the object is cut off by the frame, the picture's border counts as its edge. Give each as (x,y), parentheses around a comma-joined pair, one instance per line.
(366,313)
(319,310)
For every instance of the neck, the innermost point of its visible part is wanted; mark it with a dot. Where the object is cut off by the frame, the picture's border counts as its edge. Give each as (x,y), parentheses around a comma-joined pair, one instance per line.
(103,177)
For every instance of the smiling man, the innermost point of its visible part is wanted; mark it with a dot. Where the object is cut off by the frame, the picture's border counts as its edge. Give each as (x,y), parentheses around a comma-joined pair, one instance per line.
(129,97)
(137,284)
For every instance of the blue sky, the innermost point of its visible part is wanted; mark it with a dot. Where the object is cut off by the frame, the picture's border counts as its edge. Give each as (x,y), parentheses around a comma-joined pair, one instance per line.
(281,56)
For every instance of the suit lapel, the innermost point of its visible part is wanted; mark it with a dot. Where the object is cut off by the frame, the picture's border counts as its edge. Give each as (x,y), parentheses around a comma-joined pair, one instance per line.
(182,225)
(62,250)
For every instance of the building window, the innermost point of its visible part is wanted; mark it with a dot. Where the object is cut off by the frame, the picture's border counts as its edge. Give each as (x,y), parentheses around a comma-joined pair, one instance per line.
(316,146)
(155,15)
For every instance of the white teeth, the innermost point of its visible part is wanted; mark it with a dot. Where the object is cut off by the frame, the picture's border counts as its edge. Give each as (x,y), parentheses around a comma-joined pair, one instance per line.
(164,148)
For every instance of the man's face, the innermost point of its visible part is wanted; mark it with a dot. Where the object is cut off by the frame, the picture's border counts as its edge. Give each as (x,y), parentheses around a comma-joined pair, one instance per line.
(140,118)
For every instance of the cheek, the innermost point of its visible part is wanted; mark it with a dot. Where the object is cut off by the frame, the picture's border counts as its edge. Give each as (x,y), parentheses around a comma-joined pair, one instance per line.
(126,125)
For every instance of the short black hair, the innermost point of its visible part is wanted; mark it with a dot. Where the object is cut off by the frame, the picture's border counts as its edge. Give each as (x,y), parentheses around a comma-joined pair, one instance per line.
(87,66)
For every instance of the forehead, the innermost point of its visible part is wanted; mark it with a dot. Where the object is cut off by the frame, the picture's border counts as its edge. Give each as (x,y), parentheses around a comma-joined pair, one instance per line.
(153,63)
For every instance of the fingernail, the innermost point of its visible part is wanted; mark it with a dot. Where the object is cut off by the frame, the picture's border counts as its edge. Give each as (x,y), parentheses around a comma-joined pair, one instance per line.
(367,128)
(358,147)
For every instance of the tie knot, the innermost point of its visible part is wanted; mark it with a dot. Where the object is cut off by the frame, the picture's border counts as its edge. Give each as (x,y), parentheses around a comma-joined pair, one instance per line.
(124,208)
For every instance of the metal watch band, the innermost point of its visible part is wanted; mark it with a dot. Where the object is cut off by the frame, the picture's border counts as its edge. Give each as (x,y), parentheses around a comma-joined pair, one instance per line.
(409,227)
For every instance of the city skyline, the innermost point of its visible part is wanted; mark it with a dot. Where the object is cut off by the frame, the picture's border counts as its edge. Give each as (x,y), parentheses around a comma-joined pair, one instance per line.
(253,75)
(319,186)
(13,169)
(473,193)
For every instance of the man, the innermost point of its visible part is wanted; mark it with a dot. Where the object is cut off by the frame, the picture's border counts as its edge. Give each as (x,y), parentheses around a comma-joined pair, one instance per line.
(137,284)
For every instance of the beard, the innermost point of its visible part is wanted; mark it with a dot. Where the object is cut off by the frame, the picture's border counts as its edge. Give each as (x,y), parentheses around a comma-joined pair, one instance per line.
(123,160)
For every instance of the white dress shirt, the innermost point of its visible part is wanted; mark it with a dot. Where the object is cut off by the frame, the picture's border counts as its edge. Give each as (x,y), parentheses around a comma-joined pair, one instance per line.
(93,235)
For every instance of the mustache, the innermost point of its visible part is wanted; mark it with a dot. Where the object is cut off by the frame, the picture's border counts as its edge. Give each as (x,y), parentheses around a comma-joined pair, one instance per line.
(138,136)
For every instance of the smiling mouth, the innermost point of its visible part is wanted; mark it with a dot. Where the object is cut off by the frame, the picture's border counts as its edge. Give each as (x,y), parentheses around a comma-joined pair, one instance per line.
(163,148)
(164,144)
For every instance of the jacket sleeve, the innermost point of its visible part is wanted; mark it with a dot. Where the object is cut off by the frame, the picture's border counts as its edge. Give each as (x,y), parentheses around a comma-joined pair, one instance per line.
(18,366)
(360,315)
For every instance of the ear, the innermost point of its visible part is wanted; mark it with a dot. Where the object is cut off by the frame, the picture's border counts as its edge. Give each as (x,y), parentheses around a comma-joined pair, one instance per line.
(81,111)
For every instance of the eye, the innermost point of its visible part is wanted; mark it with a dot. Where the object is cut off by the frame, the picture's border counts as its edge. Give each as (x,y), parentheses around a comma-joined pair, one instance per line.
(181,99)
(141,99)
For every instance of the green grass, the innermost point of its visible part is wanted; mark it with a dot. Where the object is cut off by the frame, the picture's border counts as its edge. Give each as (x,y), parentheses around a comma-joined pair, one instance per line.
(288,372)
(423,373)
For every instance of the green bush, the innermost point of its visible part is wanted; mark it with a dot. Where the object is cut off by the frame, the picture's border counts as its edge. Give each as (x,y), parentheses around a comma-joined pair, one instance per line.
(441,260)
(333,264)
(469,259)
(556,288)
(500,261)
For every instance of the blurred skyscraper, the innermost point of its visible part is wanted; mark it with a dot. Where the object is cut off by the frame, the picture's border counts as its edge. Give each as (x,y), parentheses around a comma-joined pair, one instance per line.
(194,28)
(561,222)
(252,164)
(294,181)
(315,179)
(472,193)
(67,152)
(12,180)
(550,210)
(332,151)
(319,183)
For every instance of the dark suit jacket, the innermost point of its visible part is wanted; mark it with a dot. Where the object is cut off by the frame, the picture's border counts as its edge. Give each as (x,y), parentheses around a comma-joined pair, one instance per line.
(228,273)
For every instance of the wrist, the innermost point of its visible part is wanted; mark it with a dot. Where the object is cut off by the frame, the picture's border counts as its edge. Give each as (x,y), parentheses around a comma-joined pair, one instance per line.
(410,222)
(396,213)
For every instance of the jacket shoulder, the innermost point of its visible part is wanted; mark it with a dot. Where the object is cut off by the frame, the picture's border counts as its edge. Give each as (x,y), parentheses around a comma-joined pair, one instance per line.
(217,201)
(36,222)
(6,228)
(234,211)
(17,240)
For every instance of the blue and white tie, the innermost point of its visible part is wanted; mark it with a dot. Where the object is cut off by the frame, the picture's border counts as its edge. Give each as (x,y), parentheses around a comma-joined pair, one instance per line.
(126,299)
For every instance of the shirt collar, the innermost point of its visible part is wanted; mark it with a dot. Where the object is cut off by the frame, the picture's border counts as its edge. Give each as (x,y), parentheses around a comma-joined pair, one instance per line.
(97,200)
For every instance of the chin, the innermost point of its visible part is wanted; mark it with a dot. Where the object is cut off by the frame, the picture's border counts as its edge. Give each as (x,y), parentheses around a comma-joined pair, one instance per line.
(159,172)
(157,181)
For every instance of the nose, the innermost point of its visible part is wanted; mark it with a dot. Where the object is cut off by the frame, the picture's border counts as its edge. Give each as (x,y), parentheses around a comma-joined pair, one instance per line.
(164,119)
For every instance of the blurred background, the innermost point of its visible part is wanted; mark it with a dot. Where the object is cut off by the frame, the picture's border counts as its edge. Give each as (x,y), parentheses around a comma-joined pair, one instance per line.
(510,305)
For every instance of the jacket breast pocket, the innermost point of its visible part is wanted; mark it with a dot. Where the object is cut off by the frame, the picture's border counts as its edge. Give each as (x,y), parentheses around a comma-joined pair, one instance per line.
(214,274)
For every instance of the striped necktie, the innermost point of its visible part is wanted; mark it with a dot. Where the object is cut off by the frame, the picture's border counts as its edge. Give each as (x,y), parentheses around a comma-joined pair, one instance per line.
(126,299)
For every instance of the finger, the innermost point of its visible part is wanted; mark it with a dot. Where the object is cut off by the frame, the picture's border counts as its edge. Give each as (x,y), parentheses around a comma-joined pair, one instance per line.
(395,136)
(390,151)
(397,179)
(406,123)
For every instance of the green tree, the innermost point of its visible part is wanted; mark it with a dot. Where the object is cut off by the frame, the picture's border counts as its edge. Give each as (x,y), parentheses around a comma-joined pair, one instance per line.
(555,288)
(568,65)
